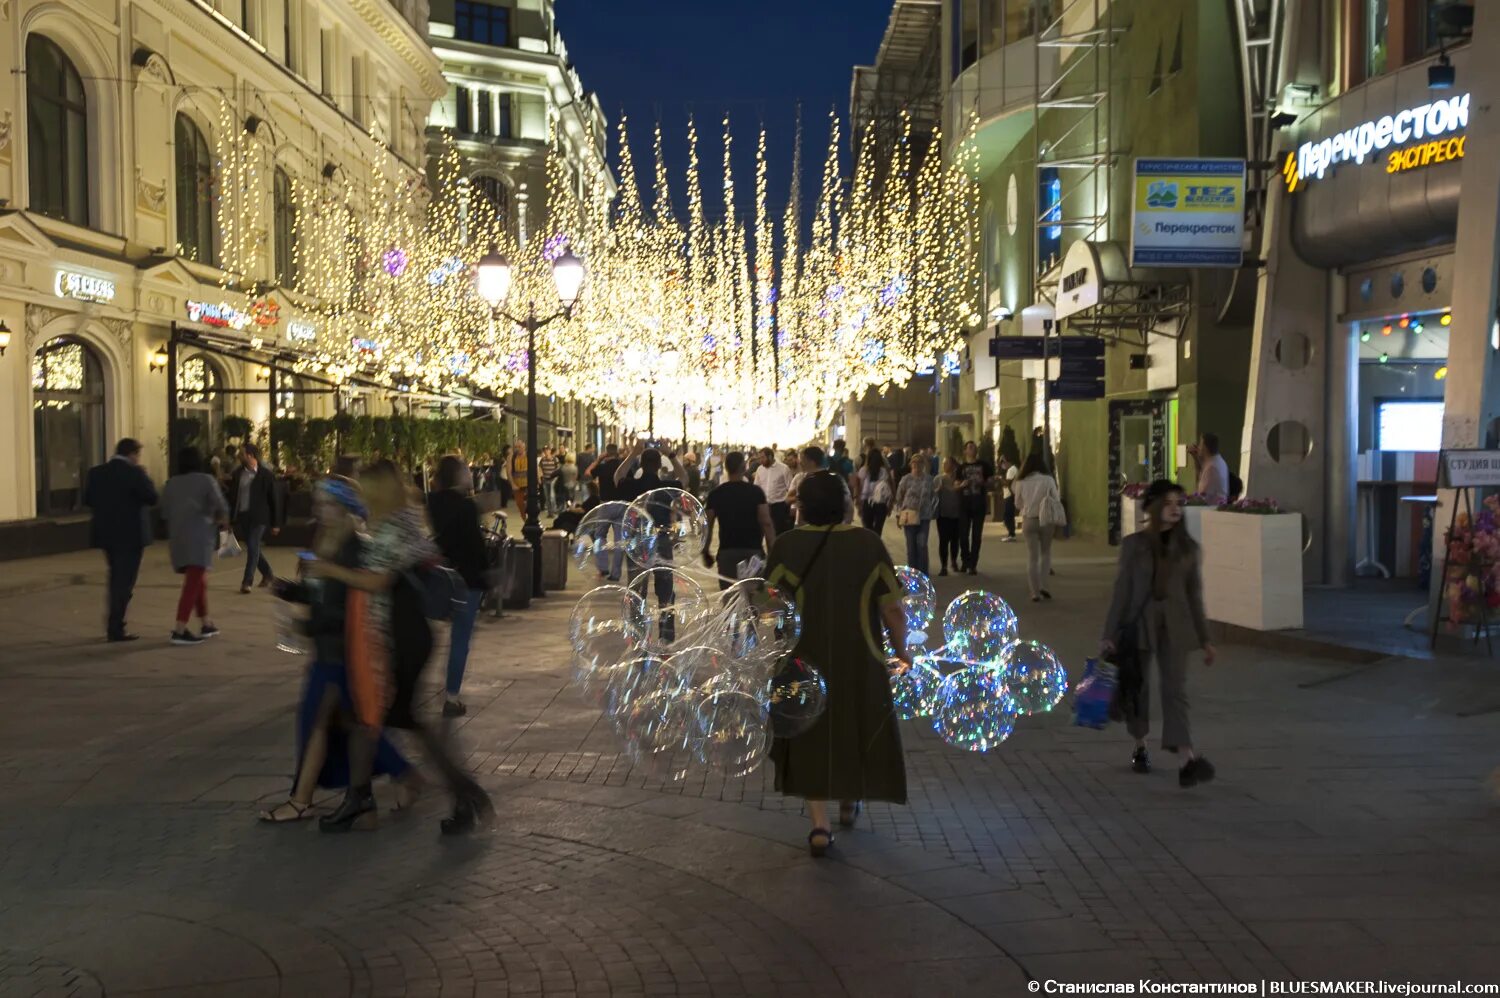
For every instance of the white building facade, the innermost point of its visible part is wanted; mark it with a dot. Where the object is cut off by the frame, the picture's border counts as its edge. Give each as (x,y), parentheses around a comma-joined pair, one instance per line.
(163,169)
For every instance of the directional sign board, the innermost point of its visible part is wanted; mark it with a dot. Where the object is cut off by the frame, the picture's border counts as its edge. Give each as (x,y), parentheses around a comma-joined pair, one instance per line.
(1017,347)
(1081,369)
(1075,391)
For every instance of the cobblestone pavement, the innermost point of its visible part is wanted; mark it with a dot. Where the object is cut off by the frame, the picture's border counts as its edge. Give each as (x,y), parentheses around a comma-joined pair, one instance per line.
(1350,833)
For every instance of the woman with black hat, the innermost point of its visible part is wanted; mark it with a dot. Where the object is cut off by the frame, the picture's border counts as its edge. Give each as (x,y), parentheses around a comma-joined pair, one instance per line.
(1157,611)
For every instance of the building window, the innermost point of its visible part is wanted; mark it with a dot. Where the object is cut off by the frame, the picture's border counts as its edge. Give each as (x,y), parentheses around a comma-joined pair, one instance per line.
(1377,36)
(200,404)
(486,124)
(249,20)
(1441,24)
(67,409)
(326,49)
(284,220)
(195,193)
(484,23)
(507,119)
(357,87)
(288,37)
(464,113)
(56,133)
(1049,237)
(493,190)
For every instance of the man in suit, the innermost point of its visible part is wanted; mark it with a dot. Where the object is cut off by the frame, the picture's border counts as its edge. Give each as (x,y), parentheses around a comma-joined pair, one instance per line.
(255,505)
(120,494)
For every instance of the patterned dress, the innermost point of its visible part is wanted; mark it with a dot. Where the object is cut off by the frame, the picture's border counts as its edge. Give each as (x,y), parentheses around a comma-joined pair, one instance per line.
(841,577)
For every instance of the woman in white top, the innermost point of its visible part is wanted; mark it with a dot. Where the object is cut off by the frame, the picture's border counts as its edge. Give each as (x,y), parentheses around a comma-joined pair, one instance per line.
(873,492)
(1037,501)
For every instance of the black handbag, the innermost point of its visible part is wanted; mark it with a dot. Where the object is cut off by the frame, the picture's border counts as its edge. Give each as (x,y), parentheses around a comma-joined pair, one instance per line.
(1130,672)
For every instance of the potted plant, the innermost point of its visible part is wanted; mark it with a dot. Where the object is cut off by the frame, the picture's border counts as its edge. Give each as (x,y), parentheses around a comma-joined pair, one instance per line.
(1252,564)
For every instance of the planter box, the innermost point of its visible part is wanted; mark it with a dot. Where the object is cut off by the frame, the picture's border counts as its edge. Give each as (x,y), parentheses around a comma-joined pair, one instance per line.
(1252,569)
(1192,517)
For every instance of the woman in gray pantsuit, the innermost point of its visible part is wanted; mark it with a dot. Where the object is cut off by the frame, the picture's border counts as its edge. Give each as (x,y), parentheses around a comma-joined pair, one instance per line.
(1158,604)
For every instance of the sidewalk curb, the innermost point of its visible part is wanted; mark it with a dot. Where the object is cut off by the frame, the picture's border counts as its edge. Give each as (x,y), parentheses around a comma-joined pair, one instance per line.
(42,585)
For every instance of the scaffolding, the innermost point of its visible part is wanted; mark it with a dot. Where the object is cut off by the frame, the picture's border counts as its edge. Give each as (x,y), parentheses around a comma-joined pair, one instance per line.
(1072,131)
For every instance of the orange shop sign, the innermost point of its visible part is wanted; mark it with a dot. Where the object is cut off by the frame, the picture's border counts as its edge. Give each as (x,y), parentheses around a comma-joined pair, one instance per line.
(1426,154)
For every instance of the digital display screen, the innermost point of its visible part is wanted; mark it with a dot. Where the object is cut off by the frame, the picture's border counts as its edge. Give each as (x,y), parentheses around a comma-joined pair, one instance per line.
(1409,426)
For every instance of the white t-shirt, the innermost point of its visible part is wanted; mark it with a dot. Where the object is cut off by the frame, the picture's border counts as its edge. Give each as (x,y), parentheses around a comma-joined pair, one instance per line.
(1213,478)
(775,481)
(1011,475)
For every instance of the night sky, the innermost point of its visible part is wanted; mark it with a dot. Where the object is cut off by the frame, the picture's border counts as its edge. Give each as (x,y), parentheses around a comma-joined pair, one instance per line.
(664,59)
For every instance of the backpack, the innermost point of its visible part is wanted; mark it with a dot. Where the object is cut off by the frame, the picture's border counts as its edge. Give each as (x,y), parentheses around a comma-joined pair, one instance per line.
(1053,513)
(880,492)
(1236,486)
(440,589)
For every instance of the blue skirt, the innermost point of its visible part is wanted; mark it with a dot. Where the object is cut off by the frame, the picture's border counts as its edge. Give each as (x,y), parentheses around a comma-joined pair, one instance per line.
(335,773)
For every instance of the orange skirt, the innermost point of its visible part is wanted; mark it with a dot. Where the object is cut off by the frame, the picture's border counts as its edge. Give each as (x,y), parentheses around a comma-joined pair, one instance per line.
(364,662)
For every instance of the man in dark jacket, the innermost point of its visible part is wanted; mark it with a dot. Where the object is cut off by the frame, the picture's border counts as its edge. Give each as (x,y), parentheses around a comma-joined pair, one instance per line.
(255,507)
(120,493)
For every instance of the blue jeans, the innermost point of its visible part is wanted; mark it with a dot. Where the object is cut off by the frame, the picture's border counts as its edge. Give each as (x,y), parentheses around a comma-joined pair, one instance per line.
(459,636)
(916,546)
(609,562)
(253,557)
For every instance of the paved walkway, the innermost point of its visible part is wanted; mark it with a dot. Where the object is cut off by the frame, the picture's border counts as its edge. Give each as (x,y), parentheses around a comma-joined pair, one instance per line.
(1350,834)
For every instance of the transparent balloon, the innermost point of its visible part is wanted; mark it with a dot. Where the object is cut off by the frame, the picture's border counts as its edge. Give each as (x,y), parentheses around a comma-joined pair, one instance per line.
(658,729)
(761,619)
(675,604)
(918,598)
(1034,676)
(916,643)
(914,692)
(676,524)
(977,626)
(974,709)
(604,534)
(730,736)
(798,695)
(597,654)
(607,609)
(697,669)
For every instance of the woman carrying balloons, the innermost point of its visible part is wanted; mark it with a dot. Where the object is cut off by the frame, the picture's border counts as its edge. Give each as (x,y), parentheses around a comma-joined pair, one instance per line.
(845,585)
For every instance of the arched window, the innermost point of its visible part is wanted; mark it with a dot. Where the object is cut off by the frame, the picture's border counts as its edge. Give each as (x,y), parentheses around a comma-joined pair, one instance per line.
(284,221)
(56,133)
(493,189)
(195,193)
(200,404)
(67,403)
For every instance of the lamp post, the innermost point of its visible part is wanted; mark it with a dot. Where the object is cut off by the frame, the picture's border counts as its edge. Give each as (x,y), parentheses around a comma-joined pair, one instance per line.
(492,280)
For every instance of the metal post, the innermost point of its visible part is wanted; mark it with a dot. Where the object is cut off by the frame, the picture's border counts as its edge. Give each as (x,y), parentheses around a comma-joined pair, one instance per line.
(172,401)
(532,531)
(1046,400)
(651,415)
(683,446)
(274,447)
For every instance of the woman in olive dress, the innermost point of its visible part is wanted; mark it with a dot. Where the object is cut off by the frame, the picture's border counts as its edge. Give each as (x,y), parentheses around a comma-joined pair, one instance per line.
(845,586)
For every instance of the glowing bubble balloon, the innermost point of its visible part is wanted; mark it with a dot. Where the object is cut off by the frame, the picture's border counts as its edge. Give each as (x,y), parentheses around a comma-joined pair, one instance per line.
(914,692)
(761,619)
(730,736)
(974,709)
(977,626)
(607,609)
(674,603)
(676,527)
(918,598)
(1034,676)
(798,695)
(604,534)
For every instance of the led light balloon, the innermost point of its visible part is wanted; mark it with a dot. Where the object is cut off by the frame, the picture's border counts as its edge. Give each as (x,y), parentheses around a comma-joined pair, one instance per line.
(914,691)
(974,709)
(978,625)
(798,696)
(918,598)
(1034,676)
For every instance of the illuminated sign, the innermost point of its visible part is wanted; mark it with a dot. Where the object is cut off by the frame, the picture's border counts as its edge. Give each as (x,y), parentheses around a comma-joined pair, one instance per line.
(1187,213)
(1427,154)
(222,315)
(1424,121)
(301,332)
(265,312)
(83,287)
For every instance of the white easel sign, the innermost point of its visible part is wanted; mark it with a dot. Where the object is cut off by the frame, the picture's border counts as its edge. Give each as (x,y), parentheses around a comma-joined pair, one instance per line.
(1464,469)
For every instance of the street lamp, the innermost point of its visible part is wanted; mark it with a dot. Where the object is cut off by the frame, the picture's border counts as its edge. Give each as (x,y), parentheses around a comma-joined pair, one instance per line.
(492,280)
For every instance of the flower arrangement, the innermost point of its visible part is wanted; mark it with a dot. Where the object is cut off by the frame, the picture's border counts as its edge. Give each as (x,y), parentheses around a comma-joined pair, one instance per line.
(1253,506)
(1199,499)
(1135,490)
(1472,574)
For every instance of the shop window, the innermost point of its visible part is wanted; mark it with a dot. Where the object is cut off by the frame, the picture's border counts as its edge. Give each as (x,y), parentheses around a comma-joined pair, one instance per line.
(67,403)
(56,133)
(200,404)
(284,224)
(484,23)
(195,192)
(1377,36)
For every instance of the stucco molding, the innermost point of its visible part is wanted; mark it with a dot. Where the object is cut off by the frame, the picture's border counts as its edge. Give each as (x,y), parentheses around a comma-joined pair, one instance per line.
(404,40)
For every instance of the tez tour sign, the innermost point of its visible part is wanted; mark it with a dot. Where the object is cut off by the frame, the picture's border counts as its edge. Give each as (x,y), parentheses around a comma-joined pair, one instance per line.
(1188,213)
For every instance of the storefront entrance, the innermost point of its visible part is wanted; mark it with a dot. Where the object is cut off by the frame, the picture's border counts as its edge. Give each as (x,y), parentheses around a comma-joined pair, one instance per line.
(67,386)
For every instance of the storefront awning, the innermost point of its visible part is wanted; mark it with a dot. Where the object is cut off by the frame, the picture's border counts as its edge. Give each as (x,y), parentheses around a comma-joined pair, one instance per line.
(1098,291)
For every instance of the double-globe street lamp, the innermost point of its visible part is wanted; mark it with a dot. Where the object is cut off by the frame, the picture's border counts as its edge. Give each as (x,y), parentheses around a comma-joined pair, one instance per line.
(492,279)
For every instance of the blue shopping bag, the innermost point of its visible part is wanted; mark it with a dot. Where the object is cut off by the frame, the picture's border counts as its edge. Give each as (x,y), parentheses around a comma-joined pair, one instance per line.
(1094,693)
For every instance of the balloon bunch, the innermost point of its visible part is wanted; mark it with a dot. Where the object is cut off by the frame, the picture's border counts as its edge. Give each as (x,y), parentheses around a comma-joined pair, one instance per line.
(700,677)
(982,678)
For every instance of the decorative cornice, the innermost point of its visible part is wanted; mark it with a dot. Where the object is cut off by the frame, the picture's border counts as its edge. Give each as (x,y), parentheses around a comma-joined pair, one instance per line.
(403,38)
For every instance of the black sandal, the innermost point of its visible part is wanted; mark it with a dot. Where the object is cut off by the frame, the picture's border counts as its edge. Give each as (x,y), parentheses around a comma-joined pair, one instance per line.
(279,815)
(819,850)
(849,814)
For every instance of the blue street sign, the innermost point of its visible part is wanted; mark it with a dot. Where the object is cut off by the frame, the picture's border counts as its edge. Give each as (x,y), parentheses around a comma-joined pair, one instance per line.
(1075,391)
(1081,369)
(1016,348)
